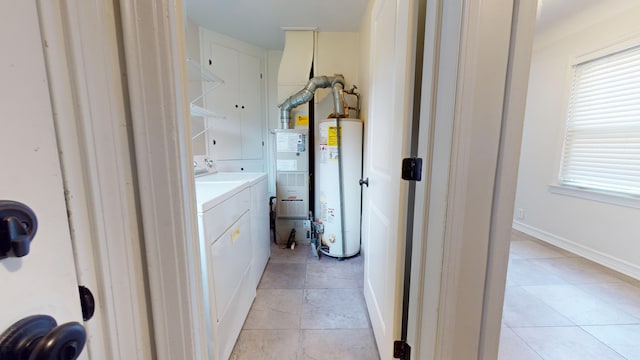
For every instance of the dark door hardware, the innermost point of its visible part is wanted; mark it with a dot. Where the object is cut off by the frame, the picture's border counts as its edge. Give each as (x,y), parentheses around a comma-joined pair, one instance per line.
(364,182)
(38,337)
(87,302)
(18,226)
(401,350)
(412,169)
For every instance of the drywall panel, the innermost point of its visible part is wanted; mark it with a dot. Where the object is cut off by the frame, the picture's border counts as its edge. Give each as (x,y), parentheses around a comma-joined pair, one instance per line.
(296,59)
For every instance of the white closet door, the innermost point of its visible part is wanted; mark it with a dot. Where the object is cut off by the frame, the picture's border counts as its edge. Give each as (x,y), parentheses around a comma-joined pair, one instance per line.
(251,109)
(225,135)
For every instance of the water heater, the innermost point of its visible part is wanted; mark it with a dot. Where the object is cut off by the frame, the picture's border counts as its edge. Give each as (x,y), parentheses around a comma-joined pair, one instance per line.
(338,168)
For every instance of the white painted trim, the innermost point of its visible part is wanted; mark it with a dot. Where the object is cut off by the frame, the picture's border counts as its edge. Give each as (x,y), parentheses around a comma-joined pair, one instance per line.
(520,49)
(619,265)
(71,164)
(153,34)
(442,31)
(479,37)
(622,44)
(595,195)
(84,77)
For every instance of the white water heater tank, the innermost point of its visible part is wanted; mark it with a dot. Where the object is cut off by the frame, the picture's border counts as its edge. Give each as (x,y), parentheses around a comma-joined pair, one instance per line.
(327,185)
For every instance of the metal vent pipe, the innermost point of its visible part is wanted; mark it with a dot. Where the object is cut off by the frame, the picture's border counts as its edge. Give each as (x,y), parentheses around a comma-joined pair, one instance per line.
(306,94)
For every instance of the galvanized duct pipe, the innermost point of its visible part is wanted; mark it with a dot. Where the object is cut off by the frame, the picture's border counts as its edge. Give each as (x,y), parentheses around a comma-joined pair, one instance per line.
(306,94)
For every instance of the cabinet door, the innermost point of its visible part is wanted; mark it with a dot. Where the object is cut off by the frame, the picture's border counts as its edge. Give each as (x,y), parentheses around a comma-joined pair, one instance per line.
(225,135)
(251,89)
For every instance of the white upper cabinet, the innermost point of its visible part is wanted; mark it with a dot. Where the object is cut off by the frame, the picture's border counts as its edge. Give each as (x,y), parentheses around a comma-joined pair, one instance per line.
(237,141)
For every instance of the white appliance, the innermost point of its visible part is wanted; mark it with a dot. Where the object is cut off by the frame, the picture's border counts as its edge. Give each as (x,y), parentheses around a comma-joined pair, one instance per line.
(329,211)
(292,183)
(233,224)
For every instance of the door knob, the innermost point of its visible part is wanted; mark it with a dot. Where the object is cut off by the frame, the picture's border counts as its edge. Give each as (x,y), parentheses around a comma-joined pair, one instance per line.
(38,338)
(364,182)
(18,225)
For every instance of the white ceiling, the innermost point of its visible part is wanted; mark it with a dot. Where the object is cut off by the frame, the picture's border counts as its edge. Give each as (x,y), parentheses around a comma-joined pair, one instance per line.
(259,22)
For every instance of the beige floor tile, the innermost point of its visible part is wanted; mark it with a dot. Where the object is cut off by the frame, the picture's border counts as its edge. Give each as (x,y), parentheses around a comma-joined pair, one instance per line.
(275,309)
(282,254)
(522,309)
(329,273)
(579,306)
(334,309)
(527,272)
(565,343)
(513,348)
(267,345)
(578,270)
(520,236)
(351,344)
(624,339)
(527,249)
(621,295)
(283,276)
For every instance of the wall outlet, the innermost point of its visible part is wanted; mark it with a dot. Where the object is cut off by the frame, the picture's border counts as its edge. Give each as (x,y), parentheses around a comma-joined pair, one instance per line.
(520,213)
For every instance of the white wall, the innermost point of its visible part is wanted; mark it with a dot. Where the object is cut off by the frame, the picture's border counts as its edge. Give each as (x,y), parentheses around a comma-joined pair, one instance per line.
(606,233)
(336,53)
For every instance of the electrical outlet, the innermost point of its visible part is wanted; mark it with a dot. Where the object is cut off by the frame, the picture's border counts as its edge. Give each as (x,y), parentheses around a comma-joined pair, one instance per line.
(520,213)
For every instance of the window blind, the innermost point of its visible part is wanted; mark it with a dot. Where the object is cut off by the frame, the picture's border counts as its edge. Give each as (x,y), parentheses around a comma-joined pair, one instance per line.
(602,139)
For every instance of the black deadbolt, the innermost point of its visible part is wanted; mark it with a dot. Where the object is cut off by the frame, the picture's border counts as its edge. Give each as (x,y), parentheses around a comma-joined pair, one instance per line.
(18,226)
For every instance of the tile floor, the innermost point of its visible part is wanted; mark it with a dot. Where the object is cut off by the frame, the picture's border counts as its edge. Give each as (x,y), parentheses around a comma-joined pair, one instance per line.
(561,306)
(557,306)
(308,309)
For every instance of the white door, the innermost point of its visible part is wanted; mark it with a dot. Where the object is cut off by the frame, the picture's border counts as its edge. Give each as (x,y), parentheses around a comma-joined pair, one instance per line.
(227,131)
(44,281)
(387,124)
(250,90)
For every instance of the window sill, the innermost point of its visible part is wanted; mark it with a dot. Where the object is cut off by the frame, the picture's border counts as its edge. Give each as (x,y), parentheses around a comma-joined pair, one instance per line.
(595,195)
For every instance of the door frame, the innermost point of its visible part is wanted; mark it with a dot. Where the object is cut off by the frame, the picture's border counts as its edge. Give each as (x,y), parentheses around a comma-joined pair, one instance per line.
(156,78)
(460,261)
(84,76)
(460,256)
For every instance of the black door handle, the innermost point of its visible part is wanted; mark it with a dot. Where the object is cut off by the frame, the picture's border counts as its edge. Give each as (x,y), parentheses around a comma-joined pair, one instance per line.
(38,338)
(364,182)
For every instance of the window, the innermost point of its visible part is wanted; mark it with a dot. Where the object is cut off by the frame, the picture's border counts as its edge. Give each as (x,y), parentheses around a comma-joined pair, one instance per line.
(602,140)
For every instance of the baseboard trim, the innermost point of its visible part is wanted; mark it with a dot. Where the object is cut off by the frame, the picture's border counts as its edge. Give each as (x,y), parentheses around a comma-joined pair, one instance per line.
(613,263)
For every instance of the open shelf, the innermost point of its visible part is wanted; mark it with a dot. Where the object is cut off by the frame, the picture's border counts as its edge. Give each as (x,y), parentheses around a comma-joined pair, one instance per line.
(198,73)
(209,82)
(200,111)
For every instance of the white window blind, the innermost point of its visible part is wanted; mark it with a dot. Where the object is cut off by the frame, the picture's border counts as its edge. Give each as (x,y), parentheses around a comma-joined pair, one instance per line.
(602,140)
